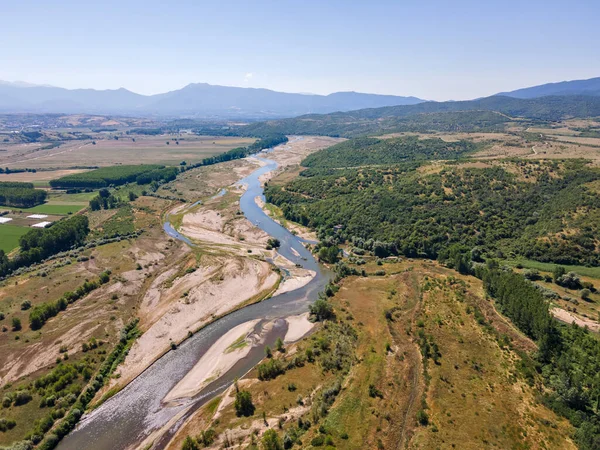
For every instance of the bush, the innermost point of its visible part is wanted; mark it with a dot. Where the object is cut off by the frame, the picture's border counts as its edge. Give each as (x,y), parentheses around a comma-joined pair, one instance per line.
(422,418)
(189,444)
(570,280)
(269,370)
(585,294)
(271,440)
(16,324)
(22,397)
(532,274)
(207,437)
(25,305)
(321,310)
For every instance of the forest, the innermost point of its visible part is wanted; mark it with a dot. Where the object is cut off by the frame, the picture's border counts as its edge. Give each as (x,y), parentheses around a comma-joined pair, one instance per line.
(372,151)
(105,176)
(20,195)
(397,209)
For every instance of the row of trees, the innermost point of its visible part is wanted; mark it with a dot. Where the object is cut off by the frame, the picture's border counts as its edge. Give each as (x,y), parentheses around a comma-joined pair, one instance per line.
(20,195)
(40,243)
(568,356)
(242,152)
(44,311)
(104,177)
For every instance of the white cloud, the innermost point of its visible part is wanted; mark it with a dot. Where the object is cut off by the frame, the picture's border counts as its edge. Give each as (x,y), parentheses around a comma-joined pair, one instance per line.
(248,77)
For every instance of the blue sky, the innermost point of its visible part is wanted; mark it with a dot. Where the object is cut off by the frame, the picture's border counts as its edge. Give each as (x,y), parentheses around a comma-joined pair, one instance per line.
(431,49)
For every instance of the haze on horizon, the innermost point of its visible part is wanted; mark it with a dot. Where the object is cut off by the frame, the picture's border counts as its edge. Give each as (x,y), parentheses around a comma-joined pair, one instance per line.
(436,51)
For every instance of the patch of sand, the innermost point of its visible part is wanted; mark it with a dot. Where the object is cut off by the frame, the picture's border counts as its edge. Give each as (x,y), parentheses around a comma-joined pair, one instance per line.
(567,317)
(215,362)
(298,327)
(294,282)
(212,291)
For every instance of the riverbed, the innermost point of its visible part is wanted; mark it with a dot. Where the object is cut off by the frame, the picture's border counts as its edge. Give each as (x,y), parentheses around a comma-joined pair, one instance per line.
(138,410)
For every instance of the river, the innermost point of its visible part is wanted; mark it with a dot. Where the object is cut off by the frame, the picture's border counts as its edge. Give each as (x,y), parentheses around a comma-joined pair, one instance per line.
(126,419)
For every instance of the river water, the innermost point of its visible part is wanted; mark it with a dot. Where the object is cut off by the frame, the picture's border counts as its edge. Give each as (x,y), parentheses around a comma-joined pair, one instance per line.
(126,419)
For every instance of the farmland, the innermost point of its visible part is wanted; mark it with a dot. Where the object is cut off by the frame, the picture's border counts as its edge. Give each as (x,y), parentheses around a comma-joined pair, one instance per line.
(10,235)
(108,151)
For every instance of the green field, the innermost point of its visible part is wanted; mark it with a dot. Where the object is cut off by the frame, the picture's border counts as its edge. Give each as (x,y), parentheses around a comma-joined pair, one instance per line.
(82,197)
(47,208)
(592,272)
(9,236)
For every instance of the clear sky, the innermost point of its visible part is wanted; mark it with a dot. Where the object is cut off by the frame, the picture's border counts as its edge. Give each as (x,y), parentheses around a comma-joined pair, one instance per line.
(432,49)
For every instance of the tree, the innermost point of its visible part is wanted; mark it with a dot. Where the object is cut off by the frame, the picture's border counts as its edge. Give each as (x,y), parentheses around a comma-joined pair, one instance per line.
(189,444)
(558,272)
(16,324)
(329,254)
(569,280)
(321,309)
(243,404)
(585,294)
(279,345)
(268,352)
(207,437)
(271,440)
(132,196)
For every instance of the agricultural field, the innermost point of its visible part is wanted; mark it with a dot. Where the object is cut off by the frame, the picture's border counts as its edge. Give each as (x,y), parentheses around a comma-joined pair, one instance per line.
(40,179)
(128,149)
(9,236)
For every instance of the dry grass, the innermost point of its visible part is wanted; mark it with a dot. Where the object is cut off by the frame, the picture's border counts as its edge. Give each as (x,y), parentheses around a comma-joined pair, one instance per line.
(107,152)
(475,396)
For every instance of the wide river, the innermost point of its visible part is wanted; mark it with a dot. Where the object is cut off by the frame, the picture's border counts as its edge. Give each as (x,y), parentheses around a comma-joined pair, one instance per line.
(126,419)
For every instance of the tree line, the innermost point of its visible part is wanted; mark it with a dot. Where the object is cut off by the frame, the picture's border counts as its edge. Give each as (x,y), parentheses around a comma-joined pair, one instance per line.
(20,195)
(568,358)
(105,176)
(242,152)
(40,243)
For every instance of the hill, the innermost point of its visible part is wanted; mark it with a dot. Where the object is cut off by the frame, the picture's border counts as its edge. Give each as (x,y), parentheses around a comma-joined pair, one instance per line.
(575,87)
(201,100)
(486,114)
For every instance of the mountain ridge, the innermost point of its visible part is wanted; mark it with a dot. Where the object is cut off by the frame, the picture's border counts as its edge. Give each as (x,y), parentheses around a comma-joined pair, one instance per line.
(590,86)
(195,99)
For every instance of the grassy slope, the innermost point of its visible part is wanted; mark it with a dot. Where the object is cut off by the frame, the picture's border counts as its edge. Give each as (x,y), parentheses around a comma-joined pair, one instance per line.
(475,397)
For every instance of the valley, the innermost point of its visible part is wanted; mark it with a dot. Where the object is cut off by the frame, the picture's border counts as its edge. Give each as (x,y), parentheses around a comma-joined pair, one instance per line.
(361,301)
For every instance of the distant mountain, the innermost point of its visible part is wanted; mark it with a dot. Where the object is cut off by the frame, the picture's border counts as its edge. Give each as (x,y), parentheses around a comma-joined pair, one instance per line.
(576,87)
(197,100)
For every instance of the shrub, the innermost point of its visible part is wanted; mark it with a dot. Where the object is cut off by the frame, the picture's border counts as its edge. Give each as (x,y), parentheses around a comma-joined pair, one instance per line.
(207,437)
(25,305)
(189,444)
(22,397)
(16,324)
(271,440)
(422,418)
(269,370)
(279,345)
(321,310)
(570,280)
(585,294)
